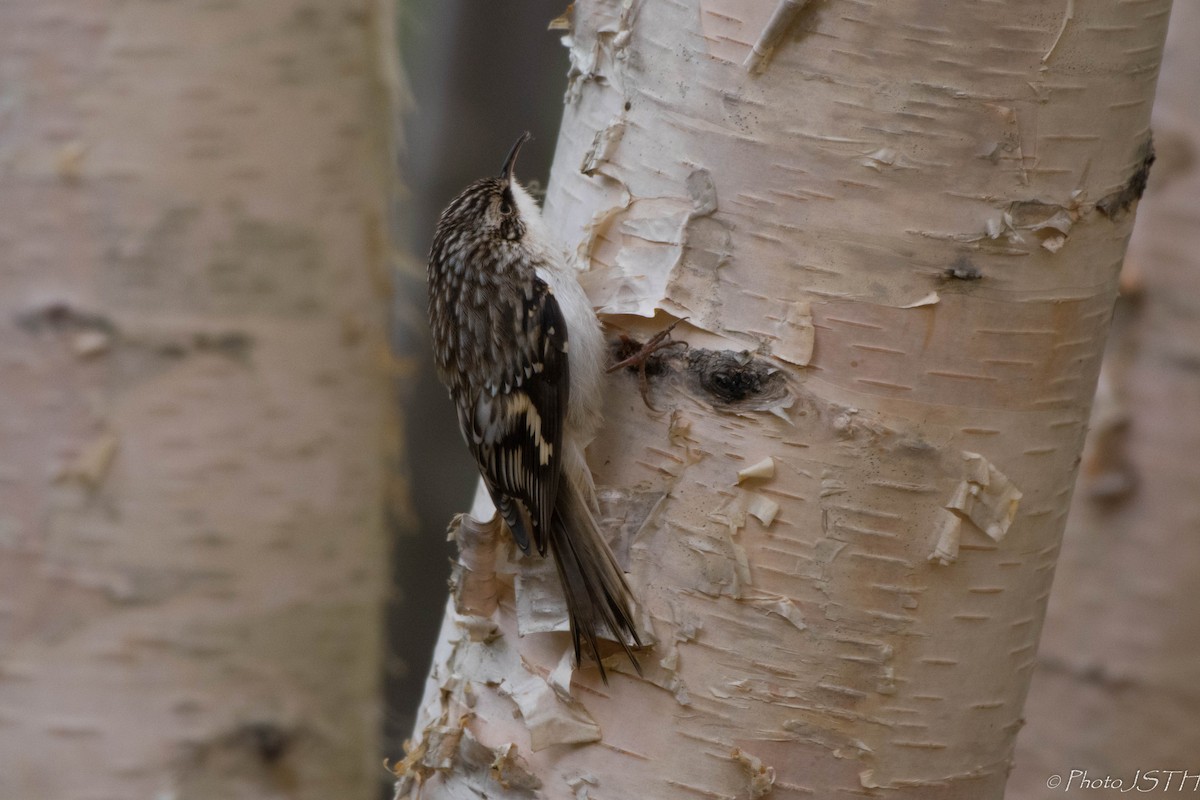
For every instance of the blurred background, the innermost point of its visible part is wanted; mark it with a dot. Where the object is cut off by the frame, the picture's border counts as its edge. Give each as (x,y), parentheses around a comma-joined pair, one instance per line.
(192,547)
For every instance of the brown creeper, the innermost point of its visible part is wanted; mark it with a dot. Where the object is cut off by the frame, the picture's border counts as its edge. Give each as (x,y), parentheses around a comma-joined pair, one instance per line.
(517,343)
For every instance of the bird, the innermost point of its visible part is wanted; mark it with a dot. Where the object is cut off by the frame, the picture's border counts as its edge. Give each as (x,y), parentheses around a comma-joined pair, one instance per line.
(520,349)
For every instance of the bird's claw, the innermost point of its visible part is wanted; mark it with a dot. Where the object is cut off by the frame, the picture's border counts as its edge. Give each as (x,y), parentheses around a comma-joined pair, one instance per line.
(659,341)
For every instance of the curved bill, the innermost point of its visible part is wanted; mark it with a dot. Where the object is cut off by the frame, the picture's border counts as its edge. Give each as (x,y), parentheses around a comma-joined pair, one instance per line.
(506,172)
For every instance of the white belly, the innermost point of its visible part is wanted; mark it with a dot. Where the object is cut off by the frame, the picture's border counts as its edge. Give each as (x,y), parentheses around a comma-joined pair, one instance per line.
(586,355)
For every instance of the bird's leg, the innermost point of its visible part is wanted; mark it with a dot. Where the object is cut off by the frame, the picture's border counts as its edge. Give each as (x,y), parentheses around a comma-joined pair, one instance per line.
(659,341)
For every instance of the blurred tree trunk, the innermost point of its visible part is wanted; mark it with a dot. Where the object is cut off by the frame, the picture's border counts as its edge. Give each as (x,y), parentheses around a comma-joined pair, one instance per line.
(895,230)
(1115,689)
(193,224)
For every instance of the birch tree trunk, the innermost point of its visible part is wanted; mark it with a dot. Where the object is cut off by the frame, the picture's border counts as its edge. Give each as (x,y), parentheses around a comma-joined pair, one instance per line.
(1115,689)
(894,229)
(193,255)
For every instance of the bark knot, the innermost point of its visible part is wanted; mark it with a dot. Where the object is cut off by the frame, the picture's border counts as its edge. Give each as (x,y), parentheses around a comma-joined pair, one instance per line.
(1116,204)
(732,378)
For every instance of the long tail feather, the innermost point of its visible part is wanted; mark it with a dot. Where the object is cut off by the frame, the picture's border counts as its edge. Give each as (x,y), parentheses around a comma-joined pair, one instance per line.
(598,598)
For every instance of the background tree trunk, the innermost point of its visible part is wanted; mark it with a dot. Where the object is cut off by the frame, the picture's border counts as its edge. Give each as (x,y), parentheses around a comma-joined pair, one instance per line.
(193,224)
(912,215)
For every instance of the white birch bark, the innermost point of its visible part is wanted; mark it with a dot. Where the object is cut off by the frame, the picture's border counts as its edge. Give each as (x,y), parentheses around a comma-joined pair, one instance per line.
(910,216)
(193,256)
(1115,689)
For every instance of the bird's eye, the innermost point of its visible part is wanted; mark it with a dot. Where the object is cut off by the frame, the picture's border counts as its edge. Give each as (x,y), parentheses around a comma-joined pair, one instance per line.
(505,207)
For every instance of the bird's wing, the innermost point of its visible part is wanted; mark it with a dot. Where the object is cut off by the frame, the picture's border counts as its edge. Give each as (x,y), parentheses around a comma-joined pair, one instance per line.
(514,426)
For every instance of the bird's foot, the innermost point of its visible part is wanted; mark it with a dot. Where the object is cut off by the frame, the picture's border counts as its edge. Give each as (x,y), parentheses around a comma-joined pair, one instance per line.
(642,354)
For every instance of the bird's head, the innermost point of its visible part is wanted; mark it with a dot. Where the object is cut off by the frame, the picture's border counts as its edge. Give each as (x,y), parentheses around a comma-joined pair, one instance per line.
(496,207)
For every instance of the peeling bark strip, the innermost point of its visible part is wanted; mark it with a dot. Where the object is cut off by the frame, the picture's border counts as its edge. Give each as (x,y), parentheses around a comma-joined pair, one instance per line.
(781,18)
(474,584)
(893,240)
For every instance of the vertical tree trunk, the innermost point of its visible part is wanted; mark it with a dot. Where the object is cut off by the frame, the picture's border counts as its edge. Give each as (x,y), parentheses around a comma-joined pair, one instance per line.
(1115,690)
(193,228)
(894,229)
